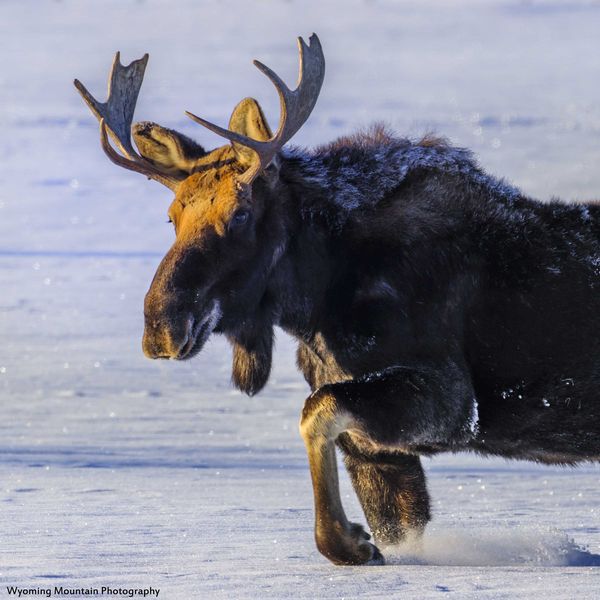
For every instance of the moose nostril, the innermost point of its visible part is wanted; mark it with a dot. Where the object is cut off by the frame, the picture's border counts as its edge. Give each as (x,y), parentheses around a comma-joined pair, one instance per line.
(188,338)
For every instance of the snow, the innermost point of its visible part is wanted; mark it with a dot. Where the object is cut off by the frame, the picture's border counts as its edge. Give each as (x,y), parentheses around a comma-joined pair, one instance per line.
(474,420)
(120,471)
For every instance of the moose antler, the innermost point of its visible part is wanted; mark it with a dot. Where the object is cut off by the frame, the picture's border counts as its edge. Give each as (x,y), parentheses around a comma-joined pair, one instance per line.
(116,114)
(295,106)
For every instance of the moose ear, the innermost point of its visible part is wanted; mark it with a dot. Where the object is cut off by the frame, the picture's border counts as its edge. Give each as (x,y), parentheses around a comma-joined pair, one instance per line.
(249,120)
(173,151)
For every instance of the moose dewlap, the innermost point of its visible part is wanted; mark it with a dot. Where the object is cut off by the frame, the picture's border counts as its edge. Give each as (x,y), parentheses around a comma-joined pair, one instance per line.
(436,308)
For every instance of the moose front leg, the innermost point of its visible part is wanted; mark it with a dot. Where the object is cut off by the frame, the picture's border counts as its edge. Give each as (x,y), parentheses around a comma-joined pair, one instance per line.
(342,542)
(400,409)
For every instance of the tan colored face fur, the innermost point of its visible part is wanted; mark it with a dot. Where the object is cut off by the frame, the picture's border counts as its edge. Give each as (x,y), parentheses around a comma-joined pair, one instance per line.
(209,197)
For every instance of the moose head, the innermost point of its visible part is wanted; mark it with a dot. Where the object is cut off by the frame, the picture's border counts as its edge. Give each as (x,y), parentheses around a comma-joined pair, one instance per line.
(226,212)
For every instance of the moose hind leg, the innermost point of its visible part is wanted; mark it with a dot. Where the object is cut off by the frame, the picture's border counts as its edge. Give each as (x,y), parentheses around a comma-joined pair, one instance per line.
(392,491)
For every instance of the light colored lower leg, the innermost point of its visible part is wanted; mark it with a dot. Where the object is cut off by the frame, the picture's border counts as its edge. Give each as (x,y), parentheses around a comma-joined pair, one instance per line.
(319,430)
(324,474)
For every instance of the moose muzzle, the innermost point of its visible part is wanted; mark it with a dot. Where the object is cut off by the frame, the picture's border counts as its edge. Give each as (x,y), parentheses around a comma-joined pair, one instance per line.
(179,336)
(178,317)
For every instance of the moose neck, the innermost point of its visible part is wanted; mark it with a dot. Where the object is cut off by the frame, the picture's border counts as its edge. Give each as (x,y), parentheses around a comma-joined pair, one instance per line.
(327,195)
(300,280)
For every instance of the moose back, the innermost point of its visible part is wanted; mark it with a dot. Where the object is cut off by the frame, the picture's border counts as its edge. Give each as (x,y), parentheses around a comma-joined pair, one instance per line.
(436,308)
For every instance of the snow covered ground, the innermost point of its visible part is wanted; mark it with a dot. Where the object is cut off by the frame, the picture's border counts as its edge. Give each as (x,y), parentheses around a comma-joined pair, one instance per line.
(116,470)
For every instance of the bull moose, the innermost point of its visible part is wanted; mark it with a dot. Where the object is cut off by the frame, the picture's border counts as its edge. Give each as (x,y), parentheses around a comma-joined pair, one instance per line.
(436,307)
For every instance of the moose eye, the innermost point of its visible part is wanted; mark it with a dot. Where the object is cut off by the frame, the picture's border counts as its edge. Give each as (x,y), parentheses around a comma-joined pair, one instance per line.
(240,217)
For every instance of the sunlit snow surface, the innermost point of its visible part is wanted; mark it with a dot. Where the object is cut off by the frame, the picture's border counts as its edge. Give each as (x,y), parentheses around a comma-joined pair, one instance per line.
(118,470)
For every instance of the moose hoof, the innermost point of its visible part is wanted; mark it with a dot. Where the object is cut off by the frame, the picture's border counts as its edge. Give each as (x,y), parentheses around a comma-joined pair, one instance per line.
(376,559)
(358,530)
(348,546)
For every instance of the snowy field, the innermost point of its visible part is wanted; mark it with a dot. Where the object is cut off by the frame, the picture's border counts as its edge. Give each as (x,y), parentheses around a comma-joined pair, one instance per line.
(119,471)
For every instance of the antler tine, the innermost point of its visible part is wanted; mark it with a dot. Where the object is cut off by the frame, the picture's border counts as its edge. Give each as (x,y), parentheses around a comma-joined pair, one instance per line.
(232,136)
(295,106)
(116,114)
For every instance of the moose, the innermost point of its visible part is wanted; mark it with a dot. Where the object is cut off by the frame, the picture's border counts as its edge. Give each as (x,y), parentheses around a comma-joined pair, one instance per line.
(436,307)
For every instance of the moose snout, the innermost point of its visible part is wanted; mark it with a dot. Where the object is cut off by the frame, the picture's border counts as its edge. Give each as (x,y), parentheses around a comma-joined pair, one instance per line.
(164,338)
(168,312)
(168,326)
